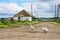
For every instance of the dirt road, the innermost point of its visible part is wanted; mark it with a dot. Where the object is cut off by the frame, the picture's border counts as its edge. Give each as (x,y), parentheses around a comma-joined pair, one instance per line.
(24,33)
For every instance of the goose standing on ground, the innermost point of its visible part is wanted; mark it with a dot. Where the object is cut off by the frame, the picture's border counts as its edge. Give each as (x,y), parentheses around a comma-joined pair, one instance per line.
(31,27)
(45,29)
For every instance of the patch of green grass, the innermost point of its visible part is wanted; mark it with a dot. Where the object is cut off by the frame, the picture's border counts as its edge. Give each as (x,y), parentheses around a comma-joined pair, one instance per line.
(1,23)
(3,26)
(28,22)
(55,23)
(14,24)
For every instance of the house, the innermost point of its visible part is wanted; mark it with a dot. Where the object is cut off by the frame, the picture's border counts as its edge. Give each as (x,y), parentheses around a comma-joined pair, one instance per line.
(23,15)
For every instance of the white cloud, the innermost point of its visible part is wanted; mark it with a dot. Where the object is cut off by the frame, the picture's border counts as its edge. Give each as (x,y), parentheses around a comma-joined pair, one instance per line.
(26,6)
(46,15)
(9,8)
(33,0)
(24,1)
(43,6)
(37,7)
(43,14)
(54,2)
(57,1)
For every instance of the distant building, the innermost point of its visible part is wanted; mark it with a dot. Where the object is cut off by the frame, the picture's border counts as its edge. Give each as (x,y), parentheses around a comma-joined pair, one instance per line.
(22,15)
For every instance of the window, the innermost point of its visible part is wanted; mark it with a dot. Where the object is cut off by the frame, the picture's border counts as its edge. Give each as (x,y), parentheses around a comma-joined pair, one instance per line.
(18,18)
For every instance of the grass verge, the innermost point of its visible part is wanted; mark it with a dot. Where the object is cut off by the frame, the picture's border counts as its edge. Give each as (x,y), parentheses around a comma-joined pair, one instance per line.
(55,23)
(14,24)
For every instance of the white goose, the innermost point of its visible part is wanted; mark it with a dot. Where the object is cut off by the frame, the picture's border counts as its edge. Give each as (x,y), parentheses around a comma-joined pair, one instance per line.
(45,29)
(31,27)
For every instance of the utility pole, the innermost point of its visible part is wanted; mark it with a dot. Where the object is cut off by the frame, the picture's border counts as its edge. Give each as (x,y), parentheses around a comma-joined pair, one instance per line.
(55,13)
(31,10)
(58,11)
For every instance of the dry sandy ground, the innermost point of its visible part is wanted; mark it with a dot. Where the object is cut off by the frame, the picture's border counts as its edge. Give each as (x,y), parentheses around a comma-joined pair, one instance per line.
(24,33)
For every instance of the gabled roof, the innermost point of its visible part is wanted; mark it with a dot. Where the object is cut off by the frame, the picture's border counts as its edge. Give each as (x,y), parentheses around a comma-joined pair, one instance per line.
(24,13)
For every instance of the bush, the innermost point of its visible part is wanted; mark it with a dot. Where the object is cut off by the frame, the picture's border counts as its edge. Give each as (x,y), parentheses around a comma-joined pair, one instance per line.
(1,23)
(6,22)
(3,26)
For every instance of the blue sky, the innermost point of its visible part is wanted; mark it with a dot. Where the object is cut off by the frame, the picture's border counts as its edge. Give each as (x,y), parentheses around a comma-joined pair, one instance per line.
(41,8)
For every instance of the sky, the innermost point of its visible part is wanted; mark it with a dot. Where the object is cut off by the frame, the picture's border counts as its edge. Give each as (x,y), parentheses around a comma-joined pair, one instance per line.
(40,8)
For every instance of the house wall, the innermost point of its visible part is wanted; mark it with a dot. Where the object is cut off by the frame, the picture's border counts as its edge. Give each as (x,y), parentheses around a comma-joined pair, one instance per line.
(23,18)
(26,18)
(15,18)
